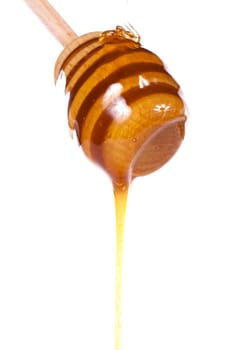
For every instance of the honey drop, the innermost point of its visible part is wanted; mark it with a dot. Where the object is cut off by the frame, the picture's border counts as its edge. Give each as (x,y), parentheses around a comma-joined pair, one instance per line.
(127,112)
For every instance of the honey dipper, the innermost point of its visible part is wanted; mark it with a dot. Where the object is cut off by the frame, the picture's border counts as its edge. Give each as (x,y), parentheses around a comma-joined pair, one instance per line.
(124,106)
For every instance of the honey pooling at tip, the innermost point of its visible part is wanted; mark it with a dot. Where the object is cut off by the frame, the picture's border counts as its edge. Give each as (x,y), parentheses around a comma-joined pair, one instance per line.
(125,107)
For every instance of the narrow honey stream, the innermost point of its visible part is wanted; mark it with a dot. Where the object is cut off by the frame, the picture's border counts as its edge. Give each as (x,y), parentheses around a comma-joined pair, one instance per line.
(121,195)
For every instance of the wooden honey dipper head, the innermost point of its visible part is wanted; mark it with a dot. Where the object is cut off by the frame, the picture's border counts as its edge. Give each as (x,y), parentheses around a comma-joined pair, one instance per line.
(125,107)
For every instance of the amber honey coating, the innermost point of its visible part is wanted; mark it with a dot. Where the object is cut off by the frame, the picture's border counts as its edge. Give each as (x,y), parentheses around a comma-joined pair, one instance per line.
(125,107)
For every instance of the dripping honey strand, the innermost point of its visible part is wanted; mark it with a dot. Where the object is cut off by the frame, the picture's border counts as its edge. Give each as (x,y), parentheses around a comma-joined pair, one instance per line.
(120,195)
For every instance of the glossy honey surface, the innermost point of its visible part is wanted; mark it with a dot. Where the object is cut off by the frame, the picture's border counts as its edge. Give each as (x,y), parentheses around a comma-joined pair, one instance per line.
(125,107)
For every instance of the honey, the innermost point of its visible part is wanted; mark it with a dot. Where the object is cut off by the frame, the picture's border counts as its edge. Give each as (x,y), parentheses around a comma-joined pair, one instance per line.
(127,112)
(120,195)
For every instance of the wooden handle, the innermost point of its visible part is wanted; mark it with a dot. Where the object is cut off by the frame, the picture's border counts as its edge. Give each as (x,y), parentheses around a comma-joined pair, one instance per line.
(53,21)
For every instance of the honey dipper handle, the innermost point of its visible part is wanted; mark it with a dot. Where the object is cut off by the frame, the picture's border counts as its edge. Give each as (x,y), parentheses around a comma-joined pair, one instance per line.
(52,20)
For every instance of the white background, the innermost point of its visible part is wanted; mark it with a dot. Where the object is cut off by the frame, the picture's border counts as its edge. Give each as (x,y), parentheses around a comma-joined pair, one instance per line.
(56,208)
